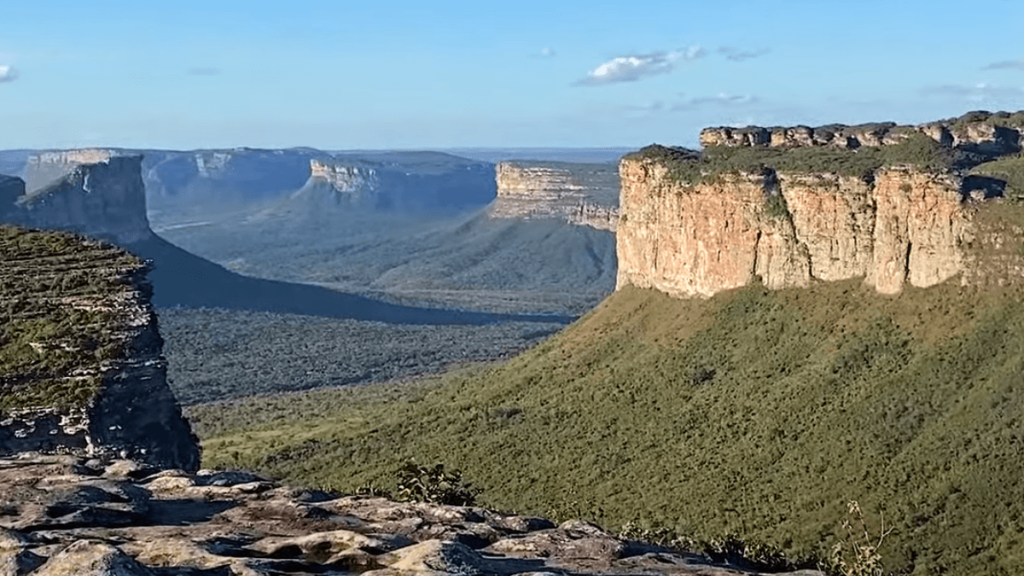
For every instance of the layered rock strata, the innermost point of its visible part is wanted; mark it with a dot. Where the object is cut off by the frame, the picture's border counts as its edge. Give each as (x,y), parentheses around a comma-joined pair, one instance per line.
(582,194)
(82,368)
(902,224)
(351,184)
(67,516)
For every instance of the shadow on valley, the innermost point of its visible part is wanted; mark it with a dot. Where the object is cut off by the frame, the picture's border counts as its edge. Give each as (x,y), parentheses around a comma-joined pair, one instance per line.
(181,279)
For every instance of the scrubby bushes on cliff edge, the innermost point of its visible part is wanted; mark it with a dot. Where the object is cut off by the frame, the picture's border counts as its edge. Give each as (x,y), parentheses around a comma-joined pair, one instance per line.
(910,404)
(691,167)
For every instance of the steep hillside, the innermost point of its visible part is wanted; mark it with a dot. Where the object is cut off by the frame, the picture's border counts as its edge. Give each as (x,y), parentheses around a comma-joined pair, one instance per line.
(755,412)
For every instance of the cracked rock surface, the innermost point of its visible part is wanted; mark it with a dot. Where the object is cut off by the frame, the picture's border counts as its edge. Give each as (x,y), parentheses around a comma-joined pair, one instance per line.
(63,515)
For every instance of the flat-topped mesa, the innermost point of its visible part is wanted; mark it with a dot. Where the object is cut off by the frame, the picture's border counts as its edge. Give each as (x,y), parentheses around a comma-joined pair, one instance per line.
(45,168)
(352,184)
(81,365)
(582,194)
(996,133)
(395,181)
(105,199)
(914,213)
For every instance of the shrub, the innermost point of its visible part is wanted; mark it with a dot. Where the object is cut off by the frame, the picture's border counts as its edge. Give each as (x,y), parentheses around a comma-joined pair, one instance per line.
(422,484)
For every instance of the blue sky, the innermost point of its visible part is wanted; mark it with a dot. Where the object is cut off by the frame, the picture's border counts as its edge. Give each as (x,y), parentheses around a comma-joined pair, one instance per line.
(414,74)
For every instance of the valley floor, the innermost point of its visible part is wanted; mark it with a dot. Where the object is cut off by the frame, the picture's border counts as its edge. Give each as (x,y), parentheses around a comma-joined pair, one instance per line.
(216,354)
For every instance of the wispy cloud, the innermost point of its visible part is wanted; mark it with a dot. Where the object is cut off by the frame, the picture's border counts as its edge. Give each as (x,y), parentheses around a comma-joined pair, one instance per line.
(741,55)
(637,67)
(8,74)
(1005,65)
(203,71)
(720,100)
(981,92)
(547,52)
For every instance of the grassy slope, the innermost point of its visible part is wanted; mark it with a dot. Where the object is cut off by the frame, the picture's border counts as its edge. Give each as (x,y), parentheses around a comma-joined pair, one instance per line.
(912,405)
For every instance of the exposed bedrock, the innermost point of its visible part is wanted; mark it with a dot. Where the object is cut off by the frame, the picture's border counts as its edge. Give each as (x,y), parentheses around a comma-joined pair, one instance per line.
(64,516)
(904,226)
(981,132)
(582,194)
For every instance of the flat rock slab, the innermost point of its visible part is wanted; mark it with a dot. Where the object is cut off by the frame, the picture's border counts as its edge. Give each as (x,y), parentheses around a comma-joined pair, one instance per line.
(60,515)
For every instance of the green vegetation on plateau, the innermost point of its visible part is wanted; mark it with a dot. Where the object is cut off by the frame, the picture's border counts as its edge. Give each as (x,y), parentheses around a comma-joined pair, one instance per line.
(58,296)
(757,413)
(691,167)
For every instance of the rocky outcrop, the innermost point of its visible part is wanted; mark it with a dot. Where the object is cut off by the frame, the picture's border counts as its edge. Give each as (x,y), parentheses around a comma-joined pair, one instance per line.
(105,198)
(82,370)
(349,184)
(985,132)
(396,181)
(65,516)
(582,194)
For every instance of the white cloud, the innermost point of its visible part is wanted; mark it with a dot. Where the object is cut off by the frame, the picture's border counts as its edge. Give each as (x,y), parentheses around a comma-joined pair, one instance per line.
(718,100)
(637,67)
(7,73)
(547,52)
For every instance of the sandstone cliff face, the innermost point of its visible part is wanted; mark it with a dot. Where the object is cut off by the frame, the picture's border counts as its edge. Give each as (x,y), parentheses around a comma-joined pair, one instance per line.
(58,394)
(106,199)
(45,168)
(904,227)
(352,185)
(582,194)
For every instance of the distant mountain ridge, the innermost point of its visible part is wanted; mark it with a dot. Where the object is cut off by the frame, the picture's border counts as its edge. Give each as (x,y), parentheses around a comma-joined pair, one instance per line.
(107,199)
